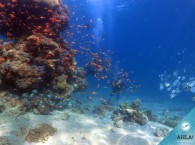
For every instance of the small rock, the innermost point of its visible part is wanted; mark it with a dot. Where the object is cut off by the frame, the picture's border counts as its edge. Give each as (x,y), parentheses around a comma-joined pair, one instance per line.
(118,123)
(3,94)
(161,132)
(66,116)
(171,122)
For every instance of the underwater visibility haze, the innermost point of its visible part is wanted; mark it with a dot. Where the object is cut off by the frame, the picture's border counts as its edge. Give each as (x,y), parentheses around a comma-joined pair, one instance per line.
(95,72)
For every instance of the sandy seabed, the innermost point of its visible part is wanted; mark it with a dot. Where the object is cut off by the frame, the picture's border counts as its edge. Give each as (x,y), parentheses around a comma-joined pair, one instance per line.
(78,129)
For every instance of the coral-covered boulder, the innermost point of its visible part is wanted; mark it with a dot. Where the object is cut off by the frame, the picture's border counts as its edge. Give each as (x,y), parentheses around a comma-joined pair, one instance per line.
(31,61)
(130,113)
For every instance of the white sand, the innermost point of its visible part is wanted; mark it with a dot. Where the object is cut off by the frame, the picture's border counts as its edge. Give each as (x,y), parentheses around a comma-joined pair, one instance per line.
(79,129)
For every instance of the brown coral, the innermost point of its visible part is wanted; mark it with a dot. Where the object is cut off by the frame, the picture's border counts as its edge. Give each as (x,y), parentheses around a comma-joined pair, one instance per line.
(31,61)
(41,133)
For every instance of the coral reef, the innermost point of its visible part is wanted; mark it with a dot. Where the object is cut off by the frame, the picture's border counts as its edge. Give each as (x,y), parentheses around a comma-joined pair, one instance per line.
(31,61)
(130,113)
(43,103)
(41,133)
(38,59)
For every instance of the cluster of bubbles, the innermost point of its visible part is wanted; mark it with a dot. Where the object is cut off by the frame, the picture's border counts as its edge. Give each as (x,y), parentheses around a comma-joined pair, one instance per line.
(175,83)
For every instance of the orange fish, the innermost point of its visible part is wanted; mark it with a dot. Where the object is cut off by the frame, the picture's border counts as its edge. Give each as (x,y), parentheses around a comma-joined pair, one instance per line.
(1,59)
(49,11)
(2,6)
(71,67)
(42,17)
(12,15)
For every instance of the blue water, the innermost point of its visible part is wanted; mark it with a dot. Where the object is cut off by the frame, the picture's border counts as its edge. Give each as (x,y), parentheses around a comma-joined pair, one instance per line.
(147,38)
